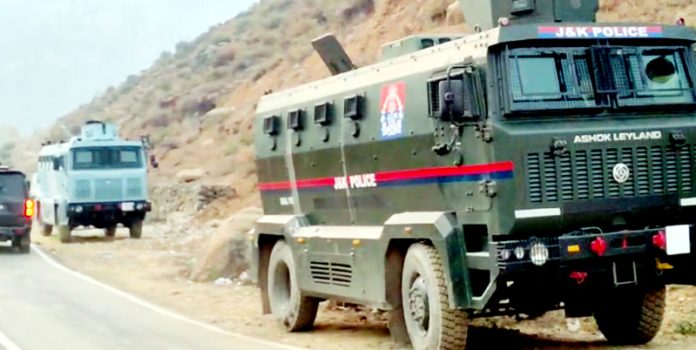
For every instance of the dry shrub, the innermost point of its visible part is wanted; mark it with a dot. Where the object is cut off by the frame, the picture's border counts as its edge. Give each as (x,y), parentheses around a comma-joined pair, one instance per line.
(226,55)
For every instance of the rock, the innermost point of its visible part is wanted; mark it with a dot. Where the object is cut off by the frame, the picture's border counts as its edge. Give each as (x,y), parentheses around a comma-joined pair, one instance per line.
(190,175)
(227,251)
(454,14)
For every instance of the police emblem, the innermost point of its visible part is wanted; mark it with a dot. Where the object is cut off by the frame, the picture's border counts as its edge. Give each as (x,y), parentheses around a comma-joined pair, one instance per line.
(393,110)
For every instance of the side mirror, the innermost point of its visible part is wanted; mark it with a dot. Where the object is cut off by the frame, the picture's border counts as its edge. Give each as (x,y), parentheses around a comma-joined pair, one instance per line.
(56,164)
(458,99)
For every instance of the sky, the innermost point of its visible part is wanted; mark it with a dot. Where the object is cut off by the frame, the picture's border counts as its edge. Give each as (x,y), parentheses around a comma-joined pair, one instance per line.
(58,54)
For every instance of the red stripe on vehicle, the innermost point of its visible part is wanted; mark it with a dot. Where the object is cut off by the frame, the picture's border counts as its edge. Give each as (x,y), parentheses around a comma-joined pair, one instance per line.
(399,175)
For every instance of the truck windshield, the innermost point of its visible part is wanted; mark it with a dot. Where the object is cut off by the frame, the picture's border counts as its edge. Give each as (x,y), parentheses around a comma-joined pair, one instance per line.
(598,78)
(107,158)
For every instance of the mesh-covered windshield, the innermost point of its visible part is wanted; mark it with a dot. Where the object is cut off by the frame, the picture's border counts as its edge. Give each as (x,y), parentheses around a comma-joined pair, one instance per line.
(107,158)
(598,77)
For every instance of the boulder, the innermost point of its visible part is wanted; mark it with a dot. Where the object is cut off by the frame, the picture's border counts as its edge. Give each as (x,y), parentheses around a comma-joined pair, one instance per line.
(454,14)
(190,175)
(227,250)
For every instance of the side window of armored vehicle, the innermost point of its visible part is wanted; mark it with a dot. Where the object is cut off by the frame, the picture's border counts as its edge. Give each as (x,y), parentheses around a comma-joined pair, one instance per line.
(271,127)
(323,115)
(354,109)
(58,163)
(296,124)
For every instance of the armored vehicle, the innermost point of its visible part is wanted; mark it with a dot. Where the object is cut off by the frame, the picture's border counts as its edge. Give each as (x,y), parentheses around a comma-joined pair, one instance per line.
(16,209)
(543,162)
(96,179)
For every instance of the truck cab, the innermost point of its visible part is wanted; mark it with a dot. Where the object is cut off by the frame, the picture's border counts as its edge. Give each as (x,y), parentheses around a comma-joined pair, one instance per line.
(94,180)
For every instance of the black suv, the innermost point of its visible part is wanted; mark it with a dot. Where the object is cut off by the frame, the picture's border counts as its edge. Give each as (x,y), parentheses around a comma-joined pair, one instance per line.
(16,209)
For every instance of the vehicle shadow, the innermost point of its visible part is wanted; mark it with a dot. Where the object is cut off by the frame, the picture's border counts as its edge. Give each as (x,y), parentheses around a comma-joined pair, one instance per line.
(481,338)
(8,250)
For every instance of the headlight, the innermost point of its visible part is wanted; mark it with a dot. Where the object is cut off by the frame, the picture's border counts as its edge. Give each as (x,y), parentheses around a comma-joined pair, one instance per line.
(140,206)
(539,254)
(78,209)
(504,254)
(519,253)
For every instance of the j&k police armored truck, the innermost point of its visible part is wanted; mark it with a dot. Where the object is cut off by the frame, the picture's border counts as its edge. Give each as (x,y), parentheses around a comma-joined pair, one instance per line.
(96,180)
(544,162)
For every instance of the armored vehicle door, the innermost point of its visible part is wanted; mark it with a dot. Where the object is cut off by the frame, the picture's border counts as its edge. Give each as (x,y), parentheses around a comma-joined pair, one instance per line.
(457,106)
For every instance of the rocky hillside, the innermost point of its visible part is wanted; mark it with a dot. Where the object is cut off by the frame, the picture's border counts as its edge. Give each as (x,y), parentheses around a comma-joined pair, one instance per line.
(196,104)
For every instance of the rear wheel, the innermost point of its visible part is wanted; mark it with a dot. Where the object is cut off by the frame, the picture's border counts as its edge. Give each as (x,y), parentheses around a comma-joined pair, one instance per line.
(295,311)
(64,233)
(136,229)
(110,231)
(631,316)
(46,230)
(22,243)
(430,321)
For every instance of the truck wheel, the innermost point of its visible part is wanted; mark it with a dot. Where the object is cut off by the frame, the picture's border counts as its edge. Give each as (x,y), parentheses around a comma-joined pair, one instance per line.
(631,317)
(22,244)
(64,234)
(430,321)
(136,229)
(295,311)
(110,231)
(46,230)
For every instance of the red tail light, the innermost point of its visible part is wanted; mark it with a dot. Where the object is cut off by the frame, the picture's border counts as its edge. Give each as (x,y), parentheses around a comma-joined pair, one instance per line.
(599,246)
(659,240)
(29,208)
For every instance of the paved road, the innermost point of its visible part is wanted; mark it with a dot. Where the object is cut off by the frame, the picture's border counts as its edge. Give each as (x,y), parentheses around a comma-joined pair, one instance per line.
(46,306)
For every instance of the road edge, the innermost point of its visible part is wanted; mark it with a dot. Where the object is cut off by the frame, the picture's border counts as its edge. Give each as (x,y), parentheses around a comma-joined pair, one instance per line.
(146,304)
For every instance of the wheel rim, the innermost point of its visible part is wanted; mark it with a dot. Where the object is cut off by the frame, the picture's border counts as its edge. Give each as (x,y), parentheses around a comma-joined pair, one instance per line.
(282,286)
(419,305)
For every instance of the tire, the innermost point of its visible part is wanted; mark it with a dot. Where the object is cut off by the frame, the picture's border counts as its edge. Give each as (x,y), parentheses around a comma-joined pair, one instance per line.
(295,311)
(430,321)
(110,231)
(22,244)
(64,233)
(46,230)
(136,229)
(631,317)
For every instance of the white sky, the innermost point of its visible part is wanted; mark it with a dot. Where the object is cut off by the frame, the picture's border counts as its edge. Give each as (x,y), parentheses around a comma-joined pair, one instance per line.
(58,54)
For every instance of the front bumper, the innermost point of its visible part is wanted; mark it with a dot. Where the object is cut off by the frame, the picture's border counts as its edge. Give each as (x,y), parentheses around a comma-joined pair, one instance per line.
(85,211)
(590,246)
(8,233)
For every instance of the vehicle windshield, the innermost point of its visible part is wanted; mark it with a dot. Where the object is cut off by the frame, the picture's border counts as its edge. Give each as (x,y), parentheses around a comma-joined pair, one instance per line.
(12,186)
(107,158)
(598,78)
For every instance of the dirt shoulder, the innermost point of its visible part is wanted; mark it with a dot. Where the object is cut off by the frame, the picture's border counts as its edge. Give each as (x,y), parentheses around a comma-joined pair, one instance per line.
(156,269)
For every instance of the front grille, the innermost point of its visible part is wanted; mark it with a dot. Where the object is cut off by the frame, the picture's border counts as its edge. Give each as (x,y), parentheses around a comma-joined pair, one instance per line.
(83,190)
(134,188)
(108,189)
(588,174)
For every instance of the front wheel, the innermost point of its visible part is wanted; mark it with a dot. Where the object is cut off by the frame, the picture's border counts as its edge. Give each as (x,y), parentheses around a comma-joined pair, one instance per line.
(631,316)
(136,229)
(430,321)
(46,230)
(110,231)
(295,311)
(64,233)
